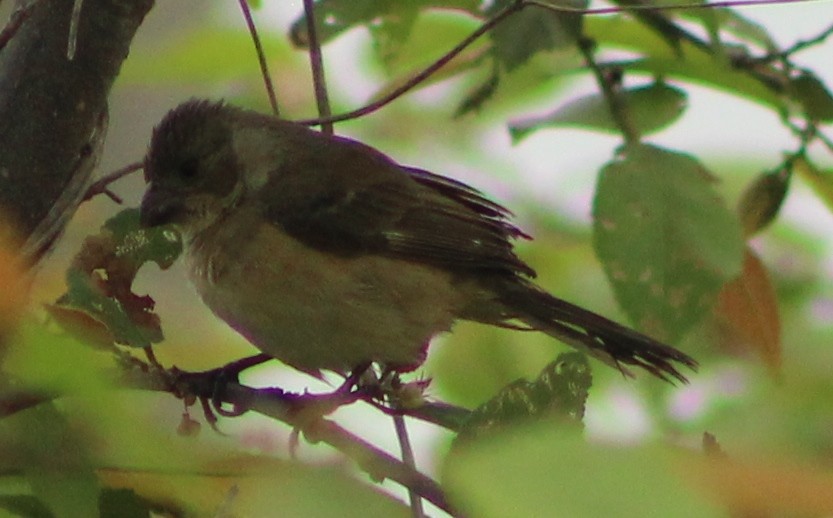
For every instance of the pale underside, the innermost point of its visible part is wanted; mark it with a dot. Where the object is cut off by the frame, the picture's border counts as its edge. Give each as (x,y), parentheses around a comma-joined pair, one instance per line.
(315,310)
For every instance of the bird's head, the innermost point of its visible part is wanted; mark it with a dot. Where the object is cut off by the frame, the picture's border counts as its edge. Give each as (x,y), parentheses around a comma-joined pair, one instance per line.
(191,168)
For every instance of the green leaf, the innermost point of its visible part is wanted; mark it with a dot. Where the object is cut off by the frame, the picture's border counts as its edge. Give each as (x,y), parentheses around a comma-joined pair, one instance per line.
(161,245)
(82,295)
(99,282)
(813,96)
(650,108)
(559,391)
(534,29)
(538,472)
(737,25)
(390,21)
(666,240)
(761,201)
(475,99)
(24,505)
(690,62)
(53,459)
(123,503)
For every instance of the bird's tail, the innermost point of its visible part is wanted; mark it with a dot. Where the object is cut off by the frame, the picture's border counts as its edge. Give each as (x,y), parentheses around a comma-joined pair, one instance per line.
(604,339)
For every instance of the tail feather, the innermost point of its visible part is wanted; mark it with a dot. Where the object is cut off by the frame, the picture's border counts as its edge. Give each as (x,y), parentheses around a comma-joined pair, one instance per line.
(612,343)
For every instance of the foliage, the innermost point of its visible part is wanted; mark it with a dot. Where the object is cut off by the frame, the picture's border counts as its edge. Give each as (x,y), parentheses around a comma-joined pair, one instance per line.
(675,248)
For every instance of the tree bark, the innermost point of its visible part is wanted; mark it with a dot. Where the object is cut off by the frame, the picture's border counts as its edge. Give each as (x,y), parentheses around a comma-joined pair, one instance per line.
(53,109)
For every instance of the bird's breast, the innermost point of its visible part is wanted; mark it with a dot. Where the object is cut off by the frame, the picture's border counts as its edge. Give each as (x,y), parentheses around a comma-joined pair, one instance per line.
(314,310)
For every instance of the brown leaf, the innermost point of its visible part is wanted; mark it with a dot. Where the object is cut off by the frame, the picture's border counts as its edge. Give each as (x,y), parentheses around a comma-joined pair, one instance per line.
(747,310)
(757,488)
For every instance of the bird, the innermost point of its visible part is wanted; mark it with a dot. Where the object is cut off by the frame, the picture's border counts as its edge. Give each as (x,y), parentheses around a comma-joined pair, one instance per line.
(327,254)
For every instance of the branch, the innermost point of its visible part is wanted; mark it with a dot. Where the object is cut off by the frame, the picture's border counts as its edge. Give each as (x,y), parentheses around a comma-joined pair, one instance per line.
(426,73)
(298,411)
(317,65)
(261,57)
(53,111)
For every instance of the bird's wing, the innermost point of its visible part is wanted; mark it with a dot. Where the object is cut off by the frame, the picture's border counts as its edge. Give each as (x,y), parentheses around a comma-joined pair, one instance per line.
(347,198)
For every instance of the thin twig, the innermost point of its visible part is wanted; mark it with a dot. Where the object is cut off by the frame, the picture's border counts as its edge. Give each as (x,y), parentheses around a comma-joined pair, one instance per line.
(301,412)
(261,57)
(417,510)
(801,45)
(667,7)
(102,185)
(426,73)
(317,65)
(611,94)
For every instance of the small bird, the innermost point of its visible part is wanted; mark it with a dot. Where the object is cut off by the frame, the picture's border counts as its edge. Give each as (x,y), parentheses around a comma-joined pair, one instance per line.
(327,255)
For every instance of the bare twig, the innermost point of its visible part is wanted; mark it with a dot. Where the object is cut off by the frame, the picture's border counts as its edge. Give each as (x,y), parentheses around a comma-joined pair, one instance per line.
(261,57)
(665,7)
(102,185)
(417,510)
(611,93)
(317,64)
(293,410)
(427,72)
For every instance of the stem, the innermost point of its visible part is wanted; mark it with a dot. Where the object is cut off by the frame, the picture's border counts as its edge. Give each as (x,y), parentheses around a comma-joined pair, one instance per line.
(617,107)
(427,72)
(317,65)
(261,57)
(417,510)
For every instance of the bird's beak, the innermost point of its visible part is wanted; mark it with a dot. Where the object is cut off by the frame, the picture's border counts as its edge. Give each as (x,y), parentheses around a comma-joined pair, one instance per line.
(159,207)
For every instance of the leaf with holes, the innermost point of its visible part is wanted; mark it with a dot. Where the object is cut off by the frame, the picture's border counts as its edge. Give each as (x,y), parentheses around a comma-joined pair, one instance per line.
(667,241)
(559,391)
(99,304)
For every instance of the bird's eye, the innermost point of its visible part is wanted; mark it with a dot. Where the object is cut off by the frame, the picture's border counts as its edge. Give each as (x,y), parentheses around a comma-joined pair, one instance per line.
(189,169)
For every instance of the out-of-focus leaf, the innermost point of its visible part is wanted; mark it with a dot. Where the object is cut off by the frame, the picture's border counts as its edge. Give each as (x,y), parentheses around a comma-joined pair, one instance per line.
(762,488)
(209,54)
(248,485)
(99,302)
(476,98)
(124,503)
(659,22)
(650,108)
(820,181)
(24,505)
(53,458)
(762,200)
(665,238)
(560,391)
(734,23)
(536,472)
(44,362)
(534,29)
(14,286)
(431,38)
(389,21)
(691,63)
(813,96)
(748,311)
